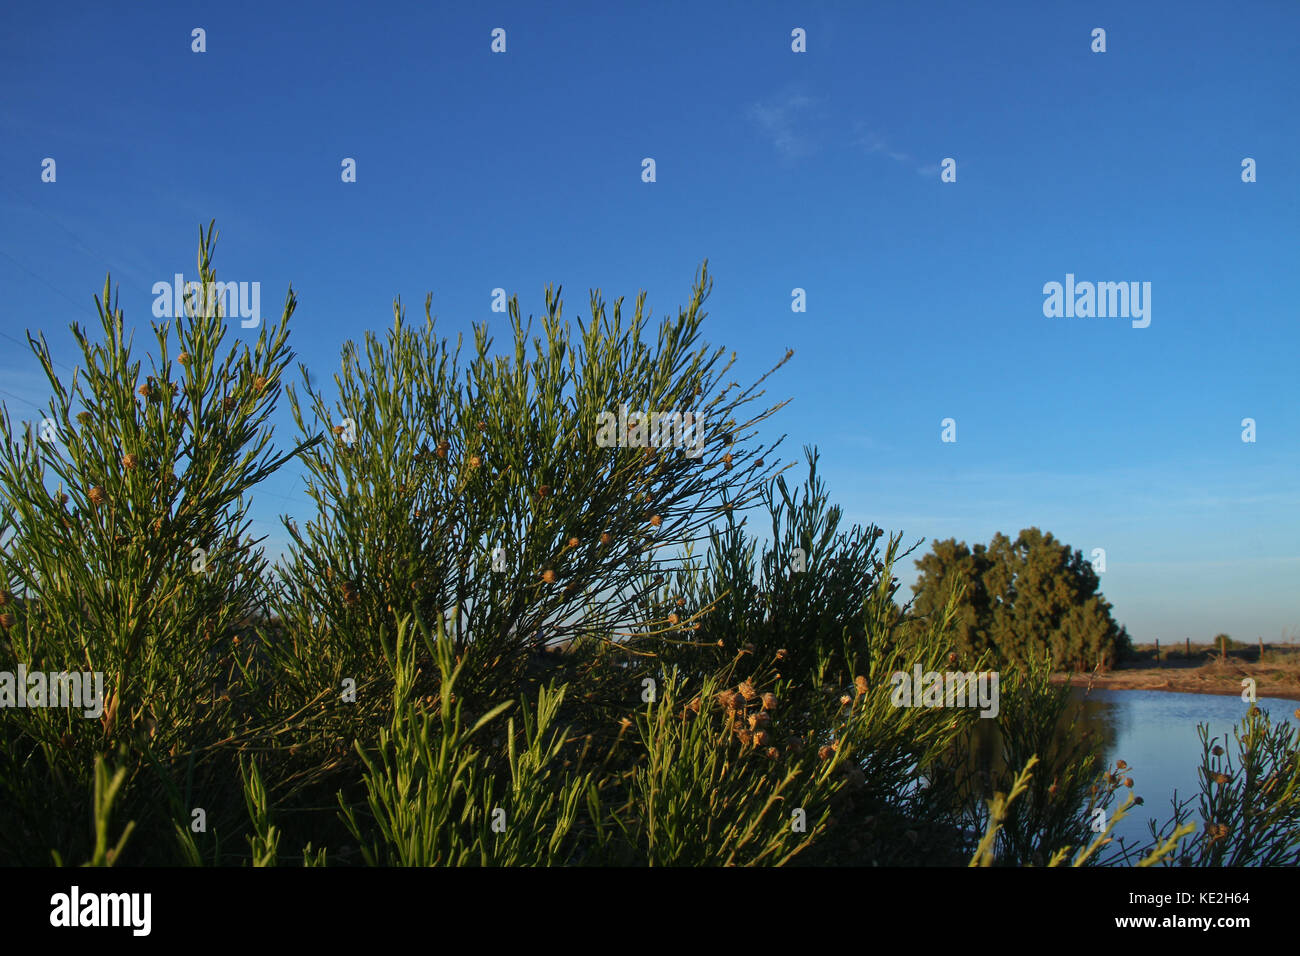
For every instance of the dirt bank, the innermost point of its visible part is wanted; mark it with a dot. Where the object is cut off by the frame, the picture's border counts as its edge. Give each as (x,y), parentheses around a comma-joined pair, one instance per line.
(1276,676)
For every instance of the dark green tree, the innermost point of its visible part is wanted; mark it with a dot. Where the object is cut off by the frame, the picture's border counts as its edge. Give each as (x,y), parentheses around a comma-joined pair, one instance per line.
(1021,598)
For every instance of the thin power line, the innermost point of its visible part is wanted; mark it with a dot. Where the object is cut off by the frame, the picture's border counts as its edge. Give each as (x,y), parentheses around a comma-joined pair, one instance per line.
(52,286)
(85,246)
(21,399)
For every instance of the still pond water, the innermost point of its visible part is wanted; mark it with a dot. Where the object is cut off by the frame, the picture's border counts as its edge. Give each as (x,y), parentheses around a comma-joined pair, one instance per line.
(1155,733)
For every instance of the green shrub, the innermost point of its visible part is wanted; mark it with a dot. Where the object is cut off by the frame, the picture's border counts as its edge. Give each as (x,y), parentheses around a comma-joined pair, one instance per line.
(1249,807)
(125,545)
(496,642)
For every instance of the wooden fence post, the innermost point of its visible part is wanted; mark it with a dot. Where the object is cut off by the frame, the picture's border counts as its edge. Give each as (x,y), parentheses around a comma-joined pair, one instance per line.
(1188,641)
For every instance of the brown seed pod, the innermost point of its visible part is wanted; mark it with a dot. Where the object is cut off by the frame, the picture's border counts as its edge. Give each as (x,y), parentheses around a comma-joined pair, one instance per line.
(673,619)
(146,390)
(762,738)
(574,542)
(726,460)
(1218,751)
(230,403)
(1128,782)
(548,576)
(747,690)
(259,384)
(825,751)
(475,461)
(606,538)
(544,491)
(4,597)
(97,495)
(6,620)
(769,701)
(860,684)
(84,417)
(130,461)
(183,358)
(782,654)
(1121,765)
(759,463)
(656,520)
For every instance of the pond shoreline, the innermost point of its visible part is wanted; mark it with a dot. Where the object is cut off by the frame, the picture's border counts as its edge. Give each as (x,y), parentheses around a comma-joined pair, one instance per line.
(1188,681)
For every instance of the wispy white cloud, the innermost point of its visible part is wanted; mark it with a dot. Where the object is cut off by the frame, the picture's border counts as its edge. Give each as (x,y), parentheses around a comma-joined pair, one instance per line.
(785,119)
(872,142)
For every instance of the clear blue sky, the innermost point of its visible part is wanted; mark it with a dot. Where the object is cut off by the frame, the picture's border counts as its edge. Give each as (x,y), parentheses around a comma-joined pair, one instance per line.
(816,170)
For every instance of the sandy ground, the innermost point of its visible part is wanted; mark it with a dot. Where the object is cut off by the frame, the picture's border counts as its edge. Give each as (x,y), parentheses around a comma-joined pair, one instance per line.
(1201,675)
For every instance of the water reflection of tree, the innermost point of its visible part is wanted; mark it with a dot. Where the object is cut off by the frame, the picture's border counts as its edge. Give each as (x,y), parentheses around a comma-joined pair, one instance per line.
(996,748)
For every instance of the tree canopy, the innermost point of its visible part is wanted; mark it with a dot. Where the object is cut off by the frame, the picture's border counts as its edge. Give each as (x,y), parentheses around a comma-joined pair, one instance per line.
(1022,598)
